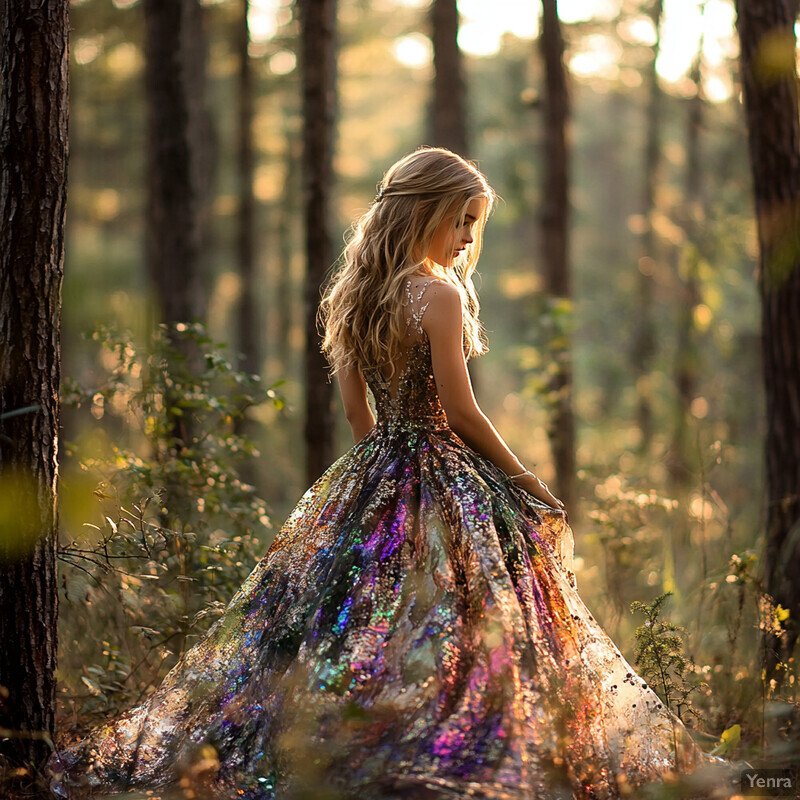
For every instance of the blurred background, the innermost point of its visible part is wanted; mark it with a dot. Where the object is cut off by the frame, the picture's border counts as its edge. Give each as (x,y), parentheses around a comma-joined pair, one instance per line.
(651,345)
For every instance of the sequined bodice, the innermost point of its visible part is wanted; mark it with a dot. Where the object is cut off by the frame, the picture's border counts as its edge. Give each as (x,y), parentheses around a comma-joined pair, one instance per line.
(416,402)
(409,399)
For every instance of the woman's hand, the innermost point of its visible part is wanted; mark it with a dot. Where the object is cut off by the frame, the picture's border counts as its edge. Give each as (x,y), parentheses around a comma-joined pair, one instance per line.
(538,488)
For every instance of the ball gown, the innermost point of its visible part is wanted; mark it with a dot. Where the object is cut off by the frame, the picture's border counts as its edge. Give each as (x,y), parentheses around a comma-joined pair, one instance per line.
(414,631)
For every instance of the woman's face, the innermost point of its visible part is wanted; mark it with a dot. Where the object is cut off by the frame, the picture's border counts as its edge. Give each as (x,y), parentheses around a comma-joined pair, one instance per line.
(453,234)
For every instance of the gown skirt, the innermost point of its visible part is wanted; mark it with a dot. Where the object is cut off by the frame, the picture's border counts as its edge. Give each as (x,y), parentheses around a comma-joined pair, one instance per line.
(414,631)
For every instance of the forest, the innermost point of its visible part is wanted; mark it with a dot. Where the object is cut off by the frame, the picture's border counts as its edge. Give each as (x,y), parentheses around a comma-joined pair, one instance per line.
(177,181)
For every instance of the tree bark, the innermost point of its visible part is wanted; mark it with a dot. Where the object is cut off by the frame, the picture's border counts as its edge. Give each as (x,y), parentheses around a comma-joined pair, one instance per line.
(179,158)
(284,319)
(286,212)
(447,111)
(447,117)
(33,153)
(248,314)
(318,19)
(644,344)
(686,352)
(555,217)
(769,78)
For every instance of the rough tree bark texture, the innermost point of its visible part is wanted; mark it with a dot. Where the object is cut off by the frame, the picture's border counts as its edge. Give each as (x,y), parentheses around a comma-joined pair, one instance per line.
(447,116)
(769,77)
(644,342)
(248,321)
(318,18)
(179,157)
(33,155)
(555,217)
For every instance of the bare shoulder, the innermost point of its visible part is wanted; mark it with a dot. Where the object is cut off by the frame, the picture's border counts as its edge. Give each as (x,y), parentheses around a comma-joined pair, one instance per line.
(443,311)
(441,293)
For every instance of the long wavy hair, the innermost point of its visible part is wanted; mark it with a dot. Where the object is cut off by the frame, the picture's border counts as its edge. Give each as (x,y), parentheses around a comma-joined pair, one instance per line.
(362,309)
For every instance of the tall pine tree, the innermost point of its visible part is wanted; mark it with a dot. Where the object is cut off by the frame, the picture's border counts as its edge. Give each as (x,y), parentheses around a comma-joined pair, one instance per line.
(769,78)
(33,153)
(318,18)
(555,217)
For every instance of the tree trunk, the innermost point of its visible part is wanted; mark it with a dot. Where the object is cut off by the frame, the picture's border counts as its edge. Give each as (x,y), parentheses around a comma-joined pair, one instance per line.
(447,116)
(447,111)
(248,320)
(318,19)
(555,238)
(286,212)
(178,181)
(679,459)
(769,78)
(686,355)
(644,344)
(179,160)
(33,152)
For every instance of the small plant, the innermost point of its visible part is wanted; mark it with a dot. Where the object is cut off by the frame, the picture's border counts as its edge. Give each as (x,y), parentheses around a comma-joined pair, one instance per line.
(660,658)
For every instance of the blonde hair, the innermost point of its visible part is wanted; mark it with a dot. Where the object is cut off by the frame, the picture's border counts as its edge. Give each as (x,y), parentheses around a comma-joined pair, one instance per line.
(362,307)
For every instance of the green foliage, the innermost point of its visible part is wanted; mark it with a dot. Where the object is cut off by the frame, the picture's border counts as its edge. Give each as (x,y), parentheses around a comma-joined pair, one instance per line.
(551,350)
(176,529)
(660,659)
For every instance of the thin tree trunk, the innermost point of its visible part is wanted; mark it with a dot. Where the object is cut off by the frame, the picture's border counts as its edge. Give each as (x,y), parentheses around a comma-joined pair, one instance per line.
(318,19)
(248,313)
(555,237)
(769,78)
(447,116)
(686,356)
(33,152)
(247,318)
(287,210)
(676,542)
(179,168)
(178,158)
(179,183)
(644,345)
(447,111)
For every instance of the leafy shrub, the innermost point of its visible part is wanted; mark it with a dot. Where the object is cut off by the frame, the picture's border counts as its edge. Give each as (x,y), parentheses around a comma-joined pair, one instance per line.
(175,528)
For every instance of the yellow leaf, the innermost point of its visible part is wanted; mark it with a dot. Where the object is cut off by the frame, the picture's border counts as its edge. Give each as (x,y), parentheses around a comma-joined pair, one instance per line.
(730,738)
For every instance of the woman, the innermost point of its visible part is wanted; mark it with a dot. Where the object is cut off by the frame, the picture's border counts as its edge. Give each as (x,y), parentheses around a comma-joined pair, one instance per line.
(414,630)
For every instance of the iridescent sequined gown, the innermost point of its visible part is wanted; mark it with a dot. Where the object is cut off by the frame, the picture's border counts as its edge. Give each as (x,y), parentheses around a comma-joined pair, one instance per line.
(414,631)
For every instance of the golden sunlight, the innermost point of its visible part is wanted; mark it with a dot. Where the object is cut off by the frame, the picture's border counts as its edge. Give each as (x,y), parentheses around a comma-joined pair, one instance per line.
(686,23)
(413,50)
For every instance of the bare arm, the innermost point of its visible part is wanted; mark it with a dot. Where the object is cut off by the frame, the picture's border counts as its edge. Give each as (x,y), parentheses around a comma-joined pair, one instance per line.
(444,325)
(353,389)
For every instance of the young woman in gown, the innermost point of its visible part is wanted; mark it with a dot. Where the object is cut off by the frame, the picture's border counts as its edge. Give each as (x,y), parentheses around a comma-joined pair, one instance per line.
(414,630)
